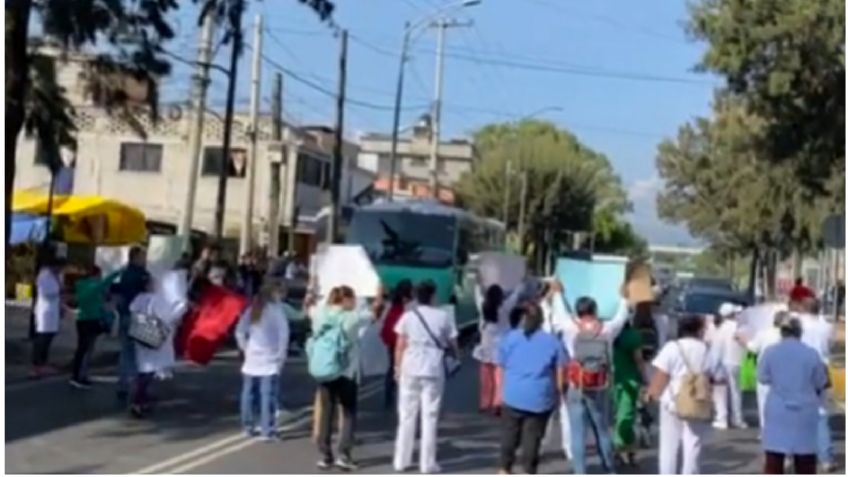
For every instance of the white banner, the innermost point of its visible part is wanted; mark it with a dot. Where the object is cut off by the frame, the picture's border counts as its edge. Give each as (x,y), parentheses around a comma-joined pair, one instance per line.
(503,269)
(345,265)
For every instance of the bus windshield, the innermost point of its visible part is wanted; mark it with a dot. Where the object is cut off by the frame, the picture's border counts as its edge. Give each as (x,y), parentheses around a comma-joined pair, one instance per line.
(404,238)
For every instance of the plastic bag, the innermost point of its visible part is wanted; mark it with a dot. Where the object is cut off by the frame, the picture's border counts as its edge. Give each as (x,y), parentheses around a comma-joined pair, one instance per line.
(748,373)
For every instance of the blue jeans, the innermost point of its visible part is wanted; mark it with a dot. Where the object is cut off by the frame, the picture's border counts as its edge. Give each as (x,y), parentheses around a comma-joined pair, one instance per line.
(589,408)
(258,393)
(127,364)
(825,446)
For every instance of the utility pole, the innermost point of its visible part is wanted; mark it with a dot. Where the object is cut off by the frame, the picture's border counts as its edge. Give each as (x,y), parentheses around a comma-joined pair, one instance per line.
(246,243)
(221,201)
(522,211)
(274,193)
(507,177)
(442,25)
(338,159)
(396,121)
(201,83)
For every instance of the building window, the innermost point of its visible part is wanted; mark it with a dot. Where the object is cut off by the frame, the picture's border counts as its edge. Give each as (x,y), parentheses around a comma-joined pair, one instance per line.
(418,161)
(310,170)
(213,161)
(140,157)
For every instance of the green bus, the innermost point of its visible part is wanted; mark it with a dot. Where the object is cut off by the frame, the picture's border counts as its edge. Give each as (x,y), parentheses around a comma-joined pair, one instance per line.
(420,240)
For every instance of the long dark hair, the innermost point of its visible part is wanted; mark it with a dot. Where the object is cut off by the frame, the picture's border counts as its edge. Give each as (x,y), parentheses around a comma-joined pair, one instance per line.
(492,303)
(533,319)
(402,292)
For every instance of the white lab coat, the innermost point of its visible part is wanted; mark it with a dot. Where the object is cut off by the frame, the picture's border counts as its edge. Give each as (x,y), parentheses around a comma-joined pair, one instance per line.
(265,343)
(730,352)
(421,384)
(169,304)
(796,378)
(491,333)
(48,302)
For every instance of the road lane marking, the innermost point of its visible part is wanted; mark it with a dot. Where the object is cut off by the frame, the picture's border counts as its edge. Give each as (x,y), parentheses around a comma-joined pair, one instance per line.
(213,450)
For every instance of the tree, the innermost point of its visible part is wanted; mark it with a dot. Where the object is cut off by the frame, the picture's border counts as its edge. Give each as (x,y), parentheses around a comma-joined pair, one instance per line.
(134,31)
(614,236)
(567,183)
(786,58)
(720,183)
(128,38)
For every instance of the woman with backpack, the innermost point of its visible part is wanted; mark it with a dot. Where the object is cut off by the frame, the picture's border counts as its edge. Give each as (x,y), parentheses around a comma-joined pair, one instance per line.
(684,371)
(425,334)
(530,363)
(262,334)
(333,352)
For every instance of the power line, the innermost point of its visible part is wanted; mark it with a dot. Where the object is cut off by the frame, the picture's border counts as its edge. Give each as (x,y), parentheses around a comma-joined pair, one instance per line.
(543,65)
(322,89)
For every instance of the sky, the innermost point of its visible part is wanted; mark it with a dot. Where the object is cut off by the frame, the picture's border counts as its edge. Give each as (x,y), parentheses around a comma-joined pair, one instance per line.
(617,73)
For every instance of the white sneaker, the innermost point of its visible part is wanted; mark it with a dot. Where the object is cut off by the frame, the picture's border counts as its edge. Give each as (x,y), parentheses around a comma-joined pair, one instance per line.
(434,469)
(741,425)
(720,426)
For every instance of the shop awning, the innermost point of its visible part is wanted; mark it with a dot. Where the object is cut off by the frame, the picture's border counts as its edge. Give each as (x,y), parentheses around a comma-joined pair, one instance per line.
(87,219)
(27,228)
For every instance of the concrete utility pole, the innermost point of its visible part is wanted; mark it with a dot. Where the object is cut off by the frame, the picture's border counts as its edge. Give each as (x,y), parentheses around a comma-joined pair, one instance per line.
(507,177)
(246,243)
(201,83)
(223,173)
(274,190)
(407,31)
(338,150)
(522,210)
(442,25)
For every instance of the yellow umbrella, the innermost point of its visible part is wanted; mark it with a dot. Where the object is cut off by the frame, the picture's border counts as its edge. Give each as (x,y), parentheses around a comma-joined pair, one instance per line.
(87,219)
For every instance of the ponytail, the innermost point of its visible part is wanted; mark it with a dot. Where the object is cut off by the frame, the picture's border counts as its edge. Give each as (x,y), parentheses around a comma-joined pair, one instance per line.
(264,297)
(492,303)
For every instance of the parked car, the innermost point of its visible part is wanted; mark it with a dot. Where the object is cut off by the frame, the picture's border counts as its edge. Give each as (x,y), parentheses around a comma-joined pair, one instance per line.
(711,282)
(707,300)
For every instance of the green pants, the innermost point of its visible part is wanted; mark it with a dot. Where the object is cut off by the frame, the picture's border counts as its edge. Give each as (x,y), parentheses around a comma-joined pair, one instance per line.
(626,395)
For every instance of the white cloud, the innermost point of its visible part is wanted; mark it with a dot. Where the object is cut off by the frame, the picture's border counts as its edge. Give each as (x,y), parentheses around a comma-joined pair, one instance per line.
(644,189)
(642,193)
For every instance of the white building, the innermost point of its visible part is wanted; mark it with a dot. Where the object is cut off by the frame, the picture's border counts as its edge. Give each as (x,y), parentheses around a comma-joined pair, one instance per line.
(151,173)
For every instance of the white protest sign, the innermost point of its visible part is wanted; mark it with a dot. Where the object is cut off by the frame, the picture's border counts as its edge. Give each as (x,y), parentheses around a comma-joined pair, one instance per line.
(111,259)
(345,265)
(163,252)
(503,269)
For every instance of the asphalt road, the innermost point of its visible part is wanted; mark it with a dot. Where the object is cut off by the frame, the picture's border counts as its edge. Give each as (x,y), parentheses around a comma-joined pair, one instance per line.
(51,428)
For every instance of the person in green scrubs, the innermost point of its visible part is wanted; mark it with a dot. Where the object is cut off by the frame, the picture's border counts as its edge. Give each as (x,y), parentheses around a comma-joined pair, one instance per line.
(627,382)
(93,318)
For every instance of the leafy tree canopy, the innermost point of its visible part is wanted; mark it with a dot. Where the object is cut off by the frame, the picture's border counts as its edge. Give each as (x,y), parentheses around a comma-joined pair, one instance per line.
(787,59)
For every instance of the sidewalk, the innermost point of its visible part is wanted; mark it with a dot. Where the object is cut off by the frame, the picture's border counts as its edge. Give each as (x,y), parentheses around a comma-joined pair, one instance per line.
(19,348)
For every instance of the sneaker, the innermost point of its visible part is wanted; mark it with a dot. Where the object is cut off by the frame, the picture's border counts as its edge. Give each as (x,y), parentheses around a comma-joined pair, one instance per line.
(79,383)
(346,464)
(741,425)
(325,464)
(435,469)
(271,438)
(137,411)
(827,468)
(720,426)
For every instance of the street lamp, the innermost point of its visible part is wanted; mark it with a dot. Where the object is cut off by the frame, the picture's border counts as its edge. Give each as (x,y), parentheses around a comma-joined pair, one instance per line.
(409,28)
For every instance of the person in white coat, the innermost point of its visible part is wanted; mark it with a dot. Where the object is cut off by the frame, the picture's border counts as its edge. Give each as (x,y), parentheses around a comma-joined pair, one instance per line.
(818,334)
(731,352)
(494,309)
(797,380)
(167,300)
(688,354)
(47,313)
(425,333)
(763,340)
(262,334)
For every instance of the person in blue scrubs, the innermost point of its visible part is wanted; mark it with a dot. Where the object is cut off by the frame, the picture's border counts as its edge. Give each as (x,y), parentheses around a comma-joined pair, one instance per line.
(528,359)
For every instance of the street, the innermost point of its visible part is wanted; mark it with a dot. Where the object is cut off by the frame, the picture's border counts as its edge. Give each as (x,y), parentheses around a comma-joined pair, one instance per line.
(52,428)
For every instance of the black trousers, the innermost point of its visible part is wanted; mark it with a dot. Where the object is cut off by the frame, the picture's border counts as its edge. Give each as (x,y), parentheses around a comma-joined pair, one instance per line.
(87,332)
(776,463)
(340,392)
(390,385)
(524,429)
(41,348)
